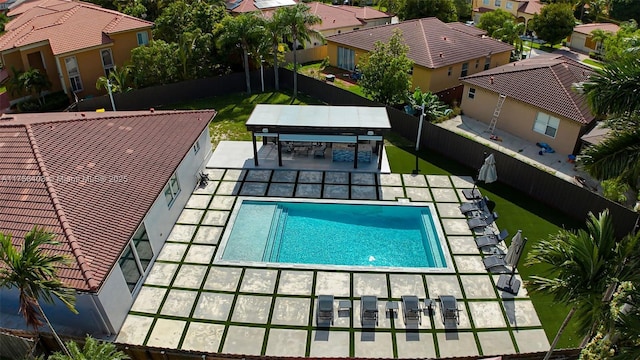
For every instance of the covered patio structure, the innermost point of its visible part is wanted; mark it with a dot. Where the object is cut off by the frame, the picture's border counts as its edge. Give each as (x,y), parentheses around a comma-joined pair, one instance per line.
(345,133)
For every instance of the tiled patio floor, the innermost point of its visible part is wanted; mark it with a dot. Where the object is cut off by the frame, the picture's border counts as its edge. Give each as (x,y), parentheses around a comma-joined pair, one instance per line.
(189,303)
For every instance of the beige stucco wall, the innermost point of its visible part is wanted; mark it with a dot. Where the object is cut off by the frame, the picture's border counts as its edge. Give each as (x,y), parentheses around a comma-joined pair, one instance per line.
(518,118)
(503,6)
(434,80)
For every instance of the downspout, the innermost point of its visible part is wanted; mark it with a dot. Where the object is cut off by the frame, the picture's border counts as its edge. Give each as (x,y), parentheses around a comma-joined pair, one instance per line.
(64,85)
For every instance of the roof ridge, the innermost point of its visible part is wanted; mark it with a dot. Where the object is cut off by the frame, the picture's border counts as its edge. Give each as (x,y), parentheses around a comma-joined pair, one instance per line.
(67,14)
(10,35)
(87,273)
(569,95)
(426,43)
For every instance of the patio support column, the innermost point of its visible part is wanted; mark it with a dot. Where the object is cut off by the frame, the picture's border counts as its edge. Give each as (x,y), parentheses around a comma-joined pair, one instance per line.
(380,144)
(279,152)
(255,149)
(355,158)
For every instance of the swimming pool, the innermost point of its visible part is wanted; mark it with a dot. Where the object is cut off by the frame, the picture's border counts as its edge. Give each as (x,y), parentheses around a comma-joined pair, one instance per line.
(355,234)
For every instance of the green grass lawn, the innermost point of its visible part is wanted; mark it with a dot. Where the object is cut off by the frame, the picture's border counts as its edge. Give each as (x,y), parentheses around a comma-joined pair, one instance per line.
(519,211)
(313,70)
(594,63)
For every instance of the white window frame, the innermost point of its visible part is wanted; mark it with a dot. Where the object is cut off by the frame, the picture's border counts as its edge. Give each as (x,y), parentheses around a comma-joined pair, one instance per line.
(471,94)
(142,37)
(508,5)
(196,146)
(486,2)
(546,124)
(465,69)
(487,63)
(74,76)
(107,67)
(171,190)
(497,3)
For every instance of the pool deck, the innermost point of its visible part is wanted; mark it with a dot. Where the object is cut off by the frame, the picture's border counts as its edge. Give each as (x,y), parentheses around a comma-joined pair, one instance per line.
(189,303)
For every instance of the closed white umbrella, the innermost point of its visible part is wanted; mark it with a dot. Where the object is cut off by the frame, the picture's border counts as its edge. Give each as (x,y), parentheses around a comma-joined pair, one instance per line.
(488,172)
(515,250)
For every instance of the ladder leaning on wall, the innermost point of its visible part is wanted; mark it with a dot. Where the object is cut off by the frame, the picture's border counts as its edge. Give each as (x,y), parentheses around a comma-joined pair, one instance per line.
(496,113)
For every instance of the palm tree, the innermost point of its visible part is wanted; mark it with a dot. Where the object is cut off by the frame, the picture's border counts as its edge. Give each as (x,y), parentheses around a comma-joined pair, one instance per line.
(118,79)
(274,30)
(614,89)
(245,32)
(581,267)
(297,21)
(510,33)
(32,270)
(92,350)
(34,82)
(599,36)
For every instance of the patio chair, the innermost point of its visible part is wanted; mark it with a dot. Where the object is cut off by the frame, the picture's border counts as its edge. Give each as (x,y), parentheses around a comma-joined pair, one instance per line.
(495,262)
(318,152)
(324,314)
(473,205)
(491,240)
(449,308)
(411,310)
(482,221)
(369,310)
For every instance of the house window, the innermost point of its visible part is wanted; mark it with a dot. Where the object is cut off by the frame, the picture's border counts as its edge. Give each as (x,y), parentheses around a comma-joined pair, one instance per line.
(172,189)
(485,2)
(487,63)
(449,71)
(74,73)
(107,61)
(546,124)
(196,147)
(472,93)
(136,258)
(346,58)
(498,3)
(465,69)
(477,63)
(143,38)
(509,5)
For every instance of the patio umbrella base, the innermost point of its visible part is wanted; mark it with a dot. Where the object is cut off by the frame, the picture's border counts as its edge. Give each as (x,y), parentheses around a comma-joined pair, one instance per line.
(508,283)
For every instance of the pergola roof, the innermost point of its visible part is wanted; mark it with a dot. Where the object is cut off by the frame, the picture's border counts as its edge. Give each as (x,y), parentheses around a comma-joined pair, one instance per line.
(318,117)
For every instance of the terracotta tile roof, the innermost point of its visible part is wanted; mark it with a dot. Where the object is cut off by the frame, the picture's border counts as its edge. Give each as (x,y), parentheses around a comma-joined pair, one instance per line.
(333,17)
(365,12)
(59,21)
(432,43)
(544,81)
(471,30)
(93,220)
(530,7)
(588,28)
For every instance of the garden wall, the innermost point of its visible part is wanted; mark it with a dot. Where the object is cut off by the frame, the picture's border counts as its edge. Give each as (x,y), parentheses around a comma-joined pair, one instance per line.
(567,197)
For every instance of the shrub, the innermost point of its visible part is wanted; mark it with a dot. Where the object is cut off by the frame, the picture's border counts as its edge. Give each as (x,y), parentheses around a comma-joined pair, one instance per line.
(52,102)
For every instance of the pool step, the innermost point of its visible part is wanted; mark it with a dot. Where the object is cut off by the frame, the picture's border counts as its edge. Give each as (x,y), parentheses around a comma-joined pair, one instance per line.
(432,240)
(272,247)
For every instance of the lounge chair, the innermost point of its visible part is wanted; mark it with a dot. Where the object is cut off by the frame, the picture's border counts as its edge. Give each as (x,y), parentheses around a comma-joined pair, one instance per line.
(474,205)
(491,240)
(369,310)
(482,221)
(411,310)
(470,194)
(324,314)
(449,309)
(495,262)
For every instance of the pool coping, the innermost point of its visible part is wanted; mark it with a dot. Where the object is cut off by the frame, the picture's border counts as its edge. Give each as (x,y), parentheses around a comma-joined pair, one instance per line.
(217,260)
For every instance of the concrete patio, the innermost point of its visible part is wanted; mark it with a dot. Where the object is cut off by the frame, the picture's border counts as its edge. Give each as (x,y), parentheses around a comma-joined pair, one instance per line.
(189,303)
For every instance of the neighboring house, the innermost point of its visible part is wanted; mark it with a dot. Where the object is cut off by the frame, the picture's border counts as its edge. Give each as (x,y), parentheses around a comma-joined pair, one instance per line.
(73,42)
(540,104)
(442,53)
(581,39)
(110,186)
(6,4)
(523,10)
(243,6)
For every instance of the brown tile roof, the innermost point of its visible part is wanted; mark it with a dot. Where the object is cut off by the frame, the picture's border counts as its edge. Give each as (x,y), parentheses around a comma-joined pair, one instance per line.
(333,17)
(93,219)
(544,81)
(432,43)
(530,7)
(471,30)
(588,28)
(365,12)
(59,21)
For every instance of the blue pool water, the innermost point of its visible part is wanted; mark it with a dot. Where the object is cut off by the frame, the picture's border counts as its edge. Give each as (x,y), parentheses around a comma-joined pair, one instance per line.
(334,234)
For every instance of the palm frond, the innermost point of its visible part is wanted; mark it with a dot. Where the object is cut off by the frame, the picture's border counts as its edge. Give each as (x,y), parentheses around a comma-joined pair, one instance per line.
(616,156)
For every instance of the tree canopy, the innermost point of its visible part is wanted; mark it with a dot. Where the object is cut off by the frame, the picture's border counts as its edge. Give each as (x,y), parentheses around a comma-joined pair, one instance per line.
(554,23)
(444,10)
(386,71)
(494,20)
(625,10)
(625,43)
